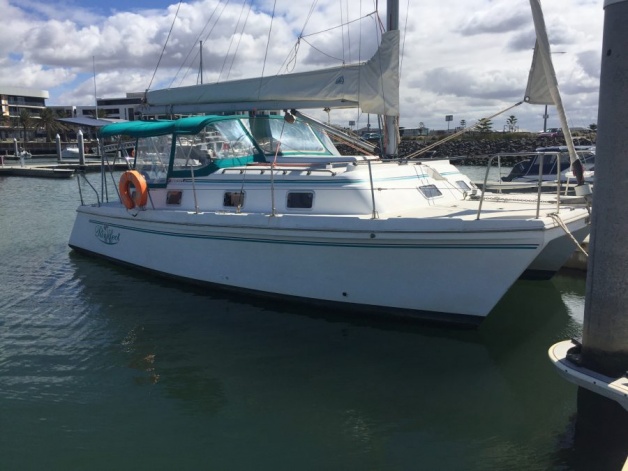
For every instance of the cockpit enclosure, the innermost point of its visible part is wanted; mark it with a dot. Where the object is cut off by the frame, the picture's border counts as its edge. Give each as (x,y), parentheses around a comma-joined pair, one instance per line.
(277,136)
(199,145)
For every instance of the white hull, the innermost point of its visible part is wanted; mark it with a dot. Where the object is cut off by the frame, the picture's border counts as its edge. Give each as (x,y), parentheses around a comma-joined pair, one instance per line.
(369,263)
(554,256)
(70,153)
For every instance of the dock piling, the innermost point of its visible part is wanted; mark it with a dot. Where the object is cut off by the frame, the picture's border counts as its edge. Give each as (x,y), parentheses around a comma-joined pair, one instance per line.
(605,333)
(599,362)
(81,147)
(58,147)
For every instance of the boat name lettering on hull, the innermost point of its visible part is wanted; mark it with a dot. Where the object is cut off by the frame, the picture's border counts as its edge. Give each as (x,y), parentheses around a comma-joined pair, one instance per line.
(107,235)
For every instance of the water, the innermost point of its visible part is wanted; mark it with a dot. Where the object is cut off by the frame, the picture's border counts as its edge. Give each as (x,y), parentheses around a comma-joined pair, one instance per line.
(102,368)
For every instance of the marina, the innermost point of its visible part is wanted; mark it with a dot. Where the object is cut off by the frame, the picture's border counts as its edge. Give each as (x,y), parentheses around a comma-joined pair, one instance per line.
(48,168)
(227,289)
(103,367)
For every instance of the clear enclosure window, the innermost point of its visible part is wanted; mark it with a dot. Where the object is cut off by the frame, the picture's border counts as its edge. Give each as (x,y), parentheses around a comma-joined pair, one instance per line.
(153,157)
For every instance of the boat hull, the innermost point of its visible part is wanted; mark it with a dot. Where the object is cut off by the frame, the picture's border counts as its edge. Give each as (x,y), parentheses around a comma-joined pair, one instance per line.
(555,255)
(373,265)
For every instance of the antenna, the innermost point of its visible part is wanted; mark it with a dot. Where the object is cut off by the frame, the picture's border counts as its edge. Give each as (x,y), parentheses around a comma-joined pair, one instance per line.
(95,96)
(201,63)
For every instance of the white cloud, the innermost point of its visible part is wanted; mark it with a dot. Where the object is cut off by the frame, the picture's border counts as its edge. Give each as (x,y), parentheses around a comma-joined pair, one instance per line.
(469,58)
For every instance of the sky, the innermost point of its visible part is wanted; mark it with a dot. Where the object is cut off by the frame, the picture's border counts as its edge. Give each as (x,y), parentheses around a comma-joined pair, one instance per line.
(465,58)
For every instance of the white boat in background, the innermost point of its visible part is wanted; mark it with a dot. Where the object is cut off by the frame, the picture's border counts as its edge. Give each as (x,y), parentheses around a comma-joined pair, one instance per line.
(70,153)
(552,164)
(267,205)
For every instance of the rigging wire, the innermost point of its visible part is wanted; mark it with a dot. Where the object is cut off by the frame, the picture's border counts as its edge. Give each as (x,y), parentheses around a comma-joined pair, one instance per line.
(235,53)
(272,19)
(290,61)
(358,110)
(165,44)
(348,33)
(235,31)
(342,31)
(339,59)
(373,13)
(405,35)
(198,38)
(462,131)
(309,15)
(377,22)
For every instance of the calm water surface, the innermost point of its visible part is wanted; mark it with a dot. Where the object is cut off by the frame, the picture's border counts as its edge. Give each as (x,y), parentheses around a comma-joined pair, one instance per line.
(102,368)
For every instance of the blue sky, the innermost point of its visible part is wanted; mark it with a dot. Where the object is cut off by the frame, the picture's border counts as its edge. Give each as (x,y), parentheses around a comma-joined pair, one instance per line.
(469,58)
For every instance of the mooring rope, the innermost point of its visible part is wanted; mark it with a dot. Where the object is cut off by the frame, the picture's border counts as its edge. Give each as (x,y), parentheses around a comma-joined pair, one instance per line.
(559,221)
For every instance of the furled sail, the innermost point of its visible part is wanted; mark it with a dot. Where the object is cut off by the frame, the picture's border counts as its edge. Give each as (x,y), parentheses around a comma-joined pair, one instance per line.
(538,90)
(372,86)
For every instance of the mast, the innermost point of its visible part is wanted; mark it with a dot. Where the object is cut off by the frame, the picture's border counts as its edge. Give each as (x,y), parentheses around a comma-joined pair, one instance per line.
(543,48)
(392,122)
(95,95)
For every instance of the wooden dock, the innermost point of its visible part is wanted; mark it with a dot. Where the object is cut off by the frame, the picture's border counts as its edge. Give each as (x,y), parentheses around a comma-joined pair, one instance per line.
(57,170)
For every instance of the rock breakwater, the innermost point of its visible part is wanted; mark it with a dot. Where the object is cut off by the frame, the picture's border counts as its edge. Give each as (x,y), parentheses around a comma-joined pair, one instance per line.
(473,151)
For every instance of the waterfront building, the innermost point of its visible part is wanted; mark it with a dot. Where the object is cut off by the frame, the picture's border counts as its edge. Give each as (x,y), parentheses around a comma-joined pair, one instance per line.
(13,100)
(123,108)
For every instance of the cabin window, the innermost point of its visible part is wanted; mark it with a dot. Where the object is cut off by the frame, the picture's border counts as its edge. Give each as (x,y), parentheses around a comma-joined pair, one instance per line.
(463,185)
(174,197)
(549,165)
(233,199)
(564,161)
(587,158)
(300,200)
(430,191)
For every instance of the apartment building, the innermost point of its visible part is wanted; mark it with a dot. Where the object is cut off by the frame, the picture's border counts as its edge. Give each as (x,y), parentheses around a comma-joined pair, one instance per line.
(15,99)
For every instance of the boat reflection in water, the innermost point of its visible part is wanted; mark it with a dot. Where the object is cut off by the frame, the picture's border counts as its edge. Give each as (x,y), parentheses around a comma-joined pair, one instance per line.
(356,387)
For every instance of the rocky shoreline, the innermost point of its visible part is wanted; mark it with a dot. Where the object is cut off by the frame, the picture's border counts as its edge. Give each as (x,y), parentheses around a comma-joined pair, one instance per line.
(467,151)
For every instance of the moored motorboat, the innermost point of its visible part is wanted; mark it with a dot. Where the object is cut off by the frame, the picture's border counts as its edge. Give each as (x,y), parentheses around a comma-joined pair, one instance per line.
(552,164)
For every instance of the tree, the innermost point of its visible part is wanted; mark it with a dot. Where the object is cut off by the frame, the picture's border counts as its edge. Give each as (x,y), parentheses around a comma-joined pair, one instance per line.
(48,121)
(485,125)
(511,122)
(26,122)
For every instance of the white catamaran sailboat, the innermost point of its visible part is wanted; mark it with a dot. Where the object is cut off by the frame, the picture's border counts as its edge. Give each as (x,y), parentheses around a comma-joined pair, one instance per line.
(268,205)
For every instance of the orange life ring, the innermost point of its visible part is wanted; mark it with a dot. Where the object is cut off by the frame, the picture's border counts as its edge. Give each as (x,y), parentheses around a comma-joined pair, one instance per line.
(137,198)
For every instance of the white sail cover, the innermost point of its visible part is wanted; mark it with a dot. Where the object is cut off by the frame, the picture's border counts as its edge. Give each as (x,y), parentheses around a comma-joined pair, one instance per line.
(372,86)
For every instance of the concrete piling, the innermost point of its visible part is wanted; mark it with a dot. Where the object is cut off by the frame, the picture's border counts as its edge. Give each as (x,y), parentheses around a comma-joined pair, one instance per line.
(605,332)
